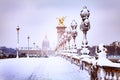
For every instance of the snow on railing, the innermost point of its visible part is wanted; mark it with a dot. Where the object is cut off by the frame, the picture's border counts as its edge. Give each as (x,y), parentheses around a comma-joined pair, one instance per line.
(98,69)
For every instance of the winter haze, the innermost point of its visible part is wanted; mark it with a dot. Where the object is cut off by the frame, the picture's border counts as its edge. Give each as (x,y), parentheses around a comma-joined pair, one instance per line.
(37,18)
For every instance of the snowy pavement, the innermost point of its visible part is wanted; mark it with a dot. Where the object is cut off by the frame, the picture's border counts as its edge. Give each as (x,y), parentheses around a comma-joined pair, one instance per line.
(52,68)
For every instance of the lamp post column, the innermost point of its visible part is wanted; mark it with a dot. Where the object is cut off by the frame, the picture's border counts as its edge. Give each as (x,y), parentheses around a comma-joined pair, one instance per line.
(17,55)
(28,46)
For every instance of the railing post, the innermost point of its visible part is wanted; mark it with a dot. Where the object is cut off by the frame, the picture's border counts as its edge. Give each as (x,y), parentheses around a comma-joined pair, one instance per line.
(114,75)
(102,74)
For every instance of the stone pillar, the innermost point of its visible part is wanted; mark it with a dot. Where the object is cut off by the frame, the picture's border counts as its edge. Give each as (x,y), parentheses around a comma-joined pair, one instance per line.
(60,32)
(60,29)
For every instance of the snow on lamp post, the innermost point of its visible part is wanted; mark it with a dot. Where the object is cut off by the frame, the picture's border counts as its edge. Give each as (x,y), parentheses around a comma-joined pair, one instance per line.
(17,55)
(84,27)
(74,32)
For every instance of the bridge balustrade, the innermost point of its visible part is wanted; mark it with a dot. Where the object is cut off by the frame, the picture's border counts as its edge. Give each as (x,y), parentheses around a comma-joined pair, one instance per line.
(96,71)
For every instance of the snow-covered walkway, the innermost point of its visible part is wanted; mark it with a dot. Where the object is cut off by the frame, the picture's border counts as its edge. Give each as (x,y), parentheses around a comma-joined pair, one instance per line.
(52,68)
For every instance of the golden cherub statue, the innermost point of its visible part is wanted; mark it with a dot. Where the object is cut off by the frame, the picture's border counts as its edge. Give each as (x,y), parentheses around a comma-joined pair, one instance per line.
(61,20)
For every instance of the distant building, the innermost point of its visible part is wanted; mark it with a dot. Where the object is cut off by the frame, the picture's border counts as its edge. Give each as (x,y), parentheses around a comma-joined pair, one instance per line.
(37,52)
(45,44)
(46,47)
(115,43)
(46,50)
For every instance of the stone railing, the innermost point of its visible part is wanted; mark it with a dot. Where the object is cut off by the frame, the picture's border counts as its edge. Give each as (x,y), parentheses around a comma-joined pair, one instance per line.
(97,71)
(111,73)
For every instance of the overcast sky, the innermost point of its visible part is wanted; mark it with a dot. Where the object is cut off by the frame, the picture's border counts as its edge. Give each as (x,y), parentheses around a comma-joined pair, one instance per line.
(37,18)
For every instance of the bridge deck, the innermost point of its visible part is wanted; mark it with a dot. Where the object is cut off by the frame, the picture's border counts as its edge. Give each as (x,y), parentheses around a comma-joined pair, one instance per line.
(52,68)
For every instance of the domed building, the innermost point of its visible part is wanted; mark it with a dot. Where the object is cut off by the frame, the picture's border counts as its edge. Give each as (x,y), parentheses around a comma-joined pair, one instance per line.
(45,44)
(45,47)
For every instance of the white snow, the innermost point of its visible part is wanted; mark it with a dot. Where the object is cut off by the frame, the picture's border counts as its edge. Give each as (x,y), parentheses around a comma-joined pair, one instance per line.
(52,68)
(102,60)
(17,69)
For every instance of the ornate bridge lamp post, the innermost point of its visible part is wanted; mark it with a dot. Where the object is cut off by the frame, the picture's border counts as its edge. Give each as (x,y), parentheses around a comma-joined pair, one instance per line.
(17,55)
(59,44)
(68,37)
(84,27)
(74,33)
(62,42)
(65,41)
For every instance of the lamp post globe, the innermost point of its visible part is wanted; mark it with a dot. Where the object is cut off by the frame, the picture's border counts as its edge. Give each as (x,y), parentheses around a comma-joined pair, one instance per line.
(85,13)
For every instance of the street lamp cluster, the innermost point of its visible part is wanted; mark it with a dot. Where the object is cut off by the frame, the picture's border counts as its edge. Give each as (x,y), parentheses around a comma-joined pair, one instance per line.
(64,41)
(71,34)
(28,47)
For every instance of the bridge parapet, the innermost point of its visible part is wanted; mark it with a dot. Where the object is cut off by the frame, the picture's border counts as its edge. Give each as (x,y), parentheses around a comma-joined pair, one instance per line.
(106,70)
